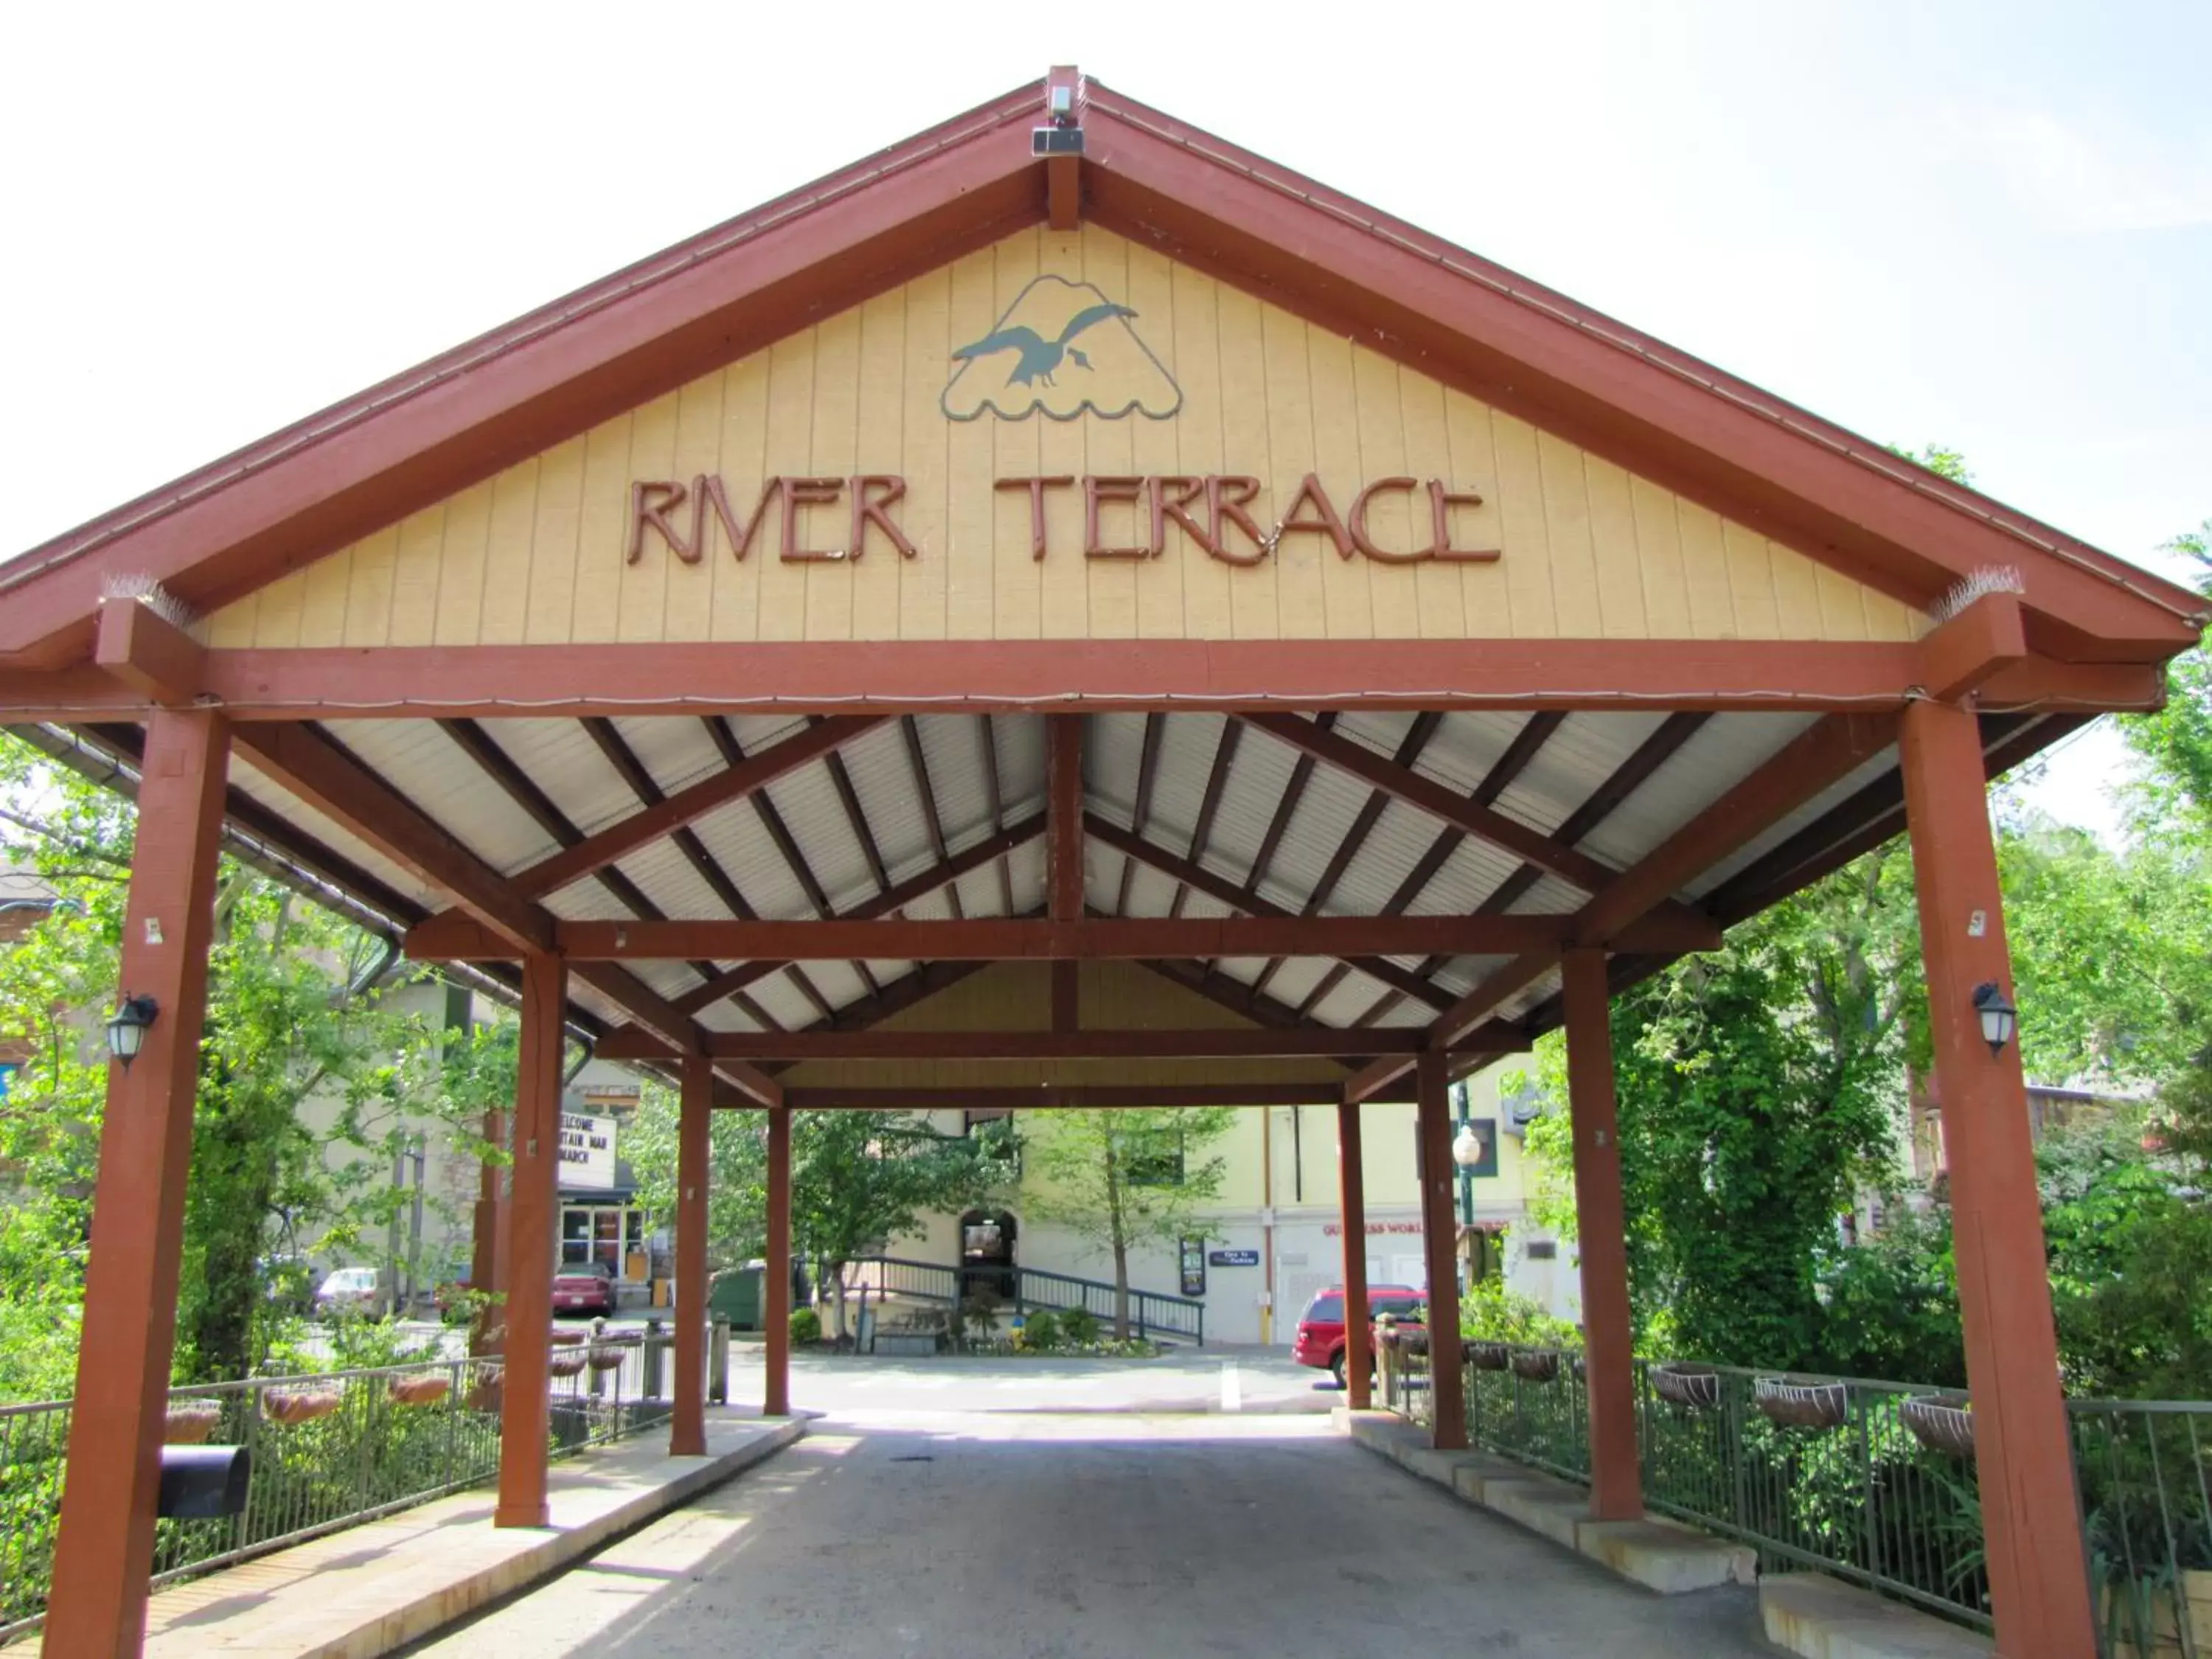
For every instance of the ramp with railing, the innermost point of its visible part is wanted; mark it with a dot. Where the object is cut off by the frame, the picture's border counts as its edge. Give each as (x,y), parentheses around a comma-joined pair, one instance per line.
(1152,1314)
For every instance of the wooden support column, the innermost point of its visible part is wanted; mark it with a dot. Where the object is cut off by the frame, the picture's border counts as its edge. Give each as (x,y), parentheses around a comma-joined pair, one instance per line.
(1616,1480)
(1064,852)
(488,1222)
(775,1388)
(1352,1203)
(2039,1587)
(105,1553)
(1440,1238)
(527,1250)
(687,1435)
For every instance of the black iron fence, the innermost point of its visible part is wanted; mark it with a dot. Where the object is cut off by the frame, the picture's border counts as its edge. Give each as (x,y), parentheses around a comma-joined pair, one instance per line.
(1872,1482)
(329,1450)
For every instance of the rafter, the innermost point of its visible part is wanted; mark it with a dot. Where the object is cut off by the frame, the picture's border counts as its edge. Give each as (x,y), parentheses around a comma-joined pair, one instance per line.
(865,1044)
(927,795)
(1140,813)
(998,797)
(1535,731)
(1224,757)
(890,902)
(1655,751)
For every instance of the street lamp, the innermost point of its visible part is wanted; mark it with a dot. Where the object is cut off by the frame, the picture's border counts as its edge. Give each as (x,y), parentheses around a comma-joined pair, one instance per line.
(1467,1146)
(2000,1020)
(127,1027)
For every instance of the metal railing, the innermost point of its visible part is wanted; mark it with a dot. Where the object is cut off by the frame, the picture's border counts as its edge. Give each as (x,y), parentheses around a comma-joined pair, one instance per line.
(1151,1312)
(329,1450)
(1872,1482)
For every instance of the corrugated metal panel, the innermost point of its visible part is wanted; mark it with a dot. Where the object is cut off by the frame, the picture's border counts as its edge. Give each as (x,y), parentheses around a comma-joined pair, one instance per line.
(1585,751)
(784,1003)
(1326,809)
(676,751)
(1020,743)
(586,901)
(425,766)
(883,783)
(1354,995)
(735,838)
(293,811)
(1725,751)
(1827,801)
(1468,744)
(949,744)
(1114,750)
(667,878)
(1297,976)
(837,982)
(807,802)
(1467,878)
(755,733)
(1187,749)
(564,763)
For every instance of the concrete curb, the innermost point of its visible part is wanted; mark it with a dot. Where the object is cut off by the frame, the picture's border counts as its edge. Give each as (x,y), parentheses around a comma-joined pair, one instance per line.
(1657,1554)
(556,1550)
(1823,1618)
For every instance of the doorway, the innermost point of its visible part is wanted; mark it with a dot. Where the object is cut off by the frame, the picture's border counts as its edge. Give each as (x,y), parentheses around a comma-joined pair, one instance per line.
(986,1255)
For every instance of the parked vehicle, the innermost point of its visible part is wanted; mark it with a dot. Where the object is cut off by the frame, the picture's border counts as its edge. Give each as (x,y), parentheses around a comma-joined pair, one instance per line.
(1320,1341)
(351,1291)
(585,1289)
(289,1282)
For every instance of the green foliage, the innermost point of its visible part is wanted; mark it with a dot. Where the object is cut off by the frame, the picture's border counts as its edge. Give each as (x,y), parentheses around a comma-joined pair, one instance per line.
(1101,1175)
(1079,1326)
(2175,744)
(1890,1305)
(1489,1312)
(300,1007)
(736,1196)
(805,1326)
(1040,1332)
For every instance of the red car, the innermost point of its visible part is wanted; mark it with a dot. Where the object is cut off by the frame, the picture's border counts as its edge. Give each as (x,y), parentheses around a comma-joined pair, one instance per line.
(1320,1329)
(587,1290)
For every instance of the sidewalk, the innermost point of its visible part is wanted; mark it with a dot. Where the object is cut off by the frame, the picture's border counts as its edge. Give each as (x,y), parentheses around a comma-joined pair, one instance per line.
(374,1587)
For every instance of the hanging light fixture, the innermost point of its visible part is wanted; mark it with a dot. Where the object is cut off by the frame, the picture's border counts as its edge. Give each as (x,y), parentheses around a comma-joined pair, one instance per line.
(1467,1147)
(127,1025)
(2000,1020)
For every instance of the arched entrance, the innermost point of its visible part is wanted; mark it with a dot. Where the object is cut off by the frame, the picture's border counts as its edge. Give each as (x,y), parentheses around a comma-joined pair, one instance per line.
(986,1254)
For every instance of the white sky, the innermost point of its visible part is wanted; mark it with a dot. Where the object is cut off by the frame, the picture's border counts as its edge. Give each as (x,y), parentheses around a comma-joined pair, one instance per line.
(1984,224)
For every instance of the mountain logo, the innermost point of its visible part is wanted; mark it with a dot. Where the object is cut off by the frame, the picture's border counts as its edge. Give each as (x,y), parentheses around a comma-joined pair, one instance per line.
(1062,348)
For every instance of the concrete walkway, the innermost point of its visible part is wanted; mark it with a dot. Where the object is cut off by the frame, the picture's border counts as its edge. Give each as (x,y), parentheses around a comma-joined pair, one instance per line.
(1092,1537)
(370,1589)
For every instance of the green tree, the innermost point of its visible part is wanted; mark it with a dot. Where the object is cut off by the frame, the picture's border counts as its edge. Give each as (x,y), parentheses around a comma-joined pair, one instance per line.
(1121,1178)
(736,1194)
(298,1006)
(858,1179)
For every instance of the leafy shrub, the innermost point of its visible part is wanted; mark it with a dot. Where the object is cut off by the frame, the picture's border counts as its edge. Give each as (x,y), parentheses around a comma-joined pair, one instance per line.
(1489,1312)
(1079,1326)
(1040,1333)
(806,1325)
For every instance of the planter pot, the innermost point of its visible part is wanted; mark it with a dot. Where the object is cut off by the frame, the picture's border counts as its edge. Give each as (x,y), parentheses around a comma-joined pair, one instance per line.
(1802,1405)
(604,1358)
(1940,1422)
(1489,1355)
(485,1393)
(1536,1365)
(419,1390)
(570,1363)
(294,1406)
(2190,1596)
(561,1339)
(1410,1341)
(1698,1387)
(190,1422)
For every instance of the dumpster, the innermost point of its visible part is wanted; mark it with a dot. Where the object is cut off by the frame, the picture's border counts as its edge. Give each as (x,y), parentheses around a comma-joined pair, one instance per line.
(736,1295)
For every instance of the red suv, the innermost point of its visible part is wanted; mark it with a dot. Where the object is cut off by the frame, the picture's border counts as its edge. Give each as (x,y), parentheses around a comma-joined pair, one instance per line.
(1320,1328)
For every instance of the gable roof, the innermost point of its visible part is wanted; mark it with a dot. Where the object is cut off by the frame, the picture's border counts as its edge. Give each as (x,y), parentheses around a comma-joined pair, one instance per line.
(252,516)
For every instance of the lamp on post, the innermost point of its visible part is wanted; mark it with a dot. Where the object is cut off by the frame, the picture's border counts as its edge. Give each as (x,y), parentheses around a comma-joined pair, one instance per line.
(1467,1149)
(127,1027)
(2000,1020)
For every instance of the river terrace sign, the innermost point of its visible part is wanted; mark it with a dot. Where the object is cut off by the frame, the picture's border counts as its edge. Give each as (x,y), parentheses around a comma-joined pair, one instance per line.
(1124,517)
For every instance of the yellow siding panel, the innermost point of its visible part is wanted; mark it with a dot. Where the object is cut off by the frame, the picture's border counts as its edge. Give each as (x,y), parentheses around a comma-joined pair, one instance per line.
(743,453)
(461,569)
(507,555)
(924,436)
(414,578)
(687,599)
(368,596)
(1486,609)
(1614,551)
(537,554)
(876,425)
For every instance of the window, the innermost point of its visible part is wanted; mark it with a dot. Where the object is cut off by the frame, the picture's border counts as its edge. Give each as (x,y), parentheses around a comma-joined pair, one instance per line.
(1152,1157)
(1325,1308)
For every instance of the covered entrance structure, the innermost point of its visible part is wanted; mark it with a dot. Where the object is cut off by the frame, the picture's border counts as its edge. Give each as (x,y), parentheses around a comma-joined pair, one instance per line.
(1067,612)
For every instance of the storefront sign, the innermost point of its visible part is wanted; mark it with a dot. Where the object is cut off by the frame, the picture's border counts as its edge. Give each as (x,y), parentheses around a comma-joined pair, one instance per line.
(1334,1229)
(587,1152)
(1232,1258)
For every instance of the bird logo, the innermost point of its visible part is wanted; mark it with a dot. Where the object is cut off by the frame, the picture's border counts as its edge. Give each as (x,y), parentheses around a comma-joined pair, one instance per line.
(1031,360)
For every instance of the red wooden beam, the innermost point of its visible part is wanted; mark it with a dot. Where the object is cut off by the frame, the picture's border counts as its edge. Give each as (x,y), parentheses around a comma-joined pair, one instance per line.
(1087,1096)
(302,760)
(887,903)
(988,744)
(1244,1042)
(1120,939)
(1200,879)
(1140,814)
(688,806)
(1985,638)
(1133,676)
(1064,852)
(147,653)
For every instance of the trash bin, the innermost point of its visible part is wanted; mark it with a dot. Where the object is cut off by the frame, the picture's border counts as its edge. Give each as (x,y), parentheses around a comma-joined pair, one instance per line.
(736,1297)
